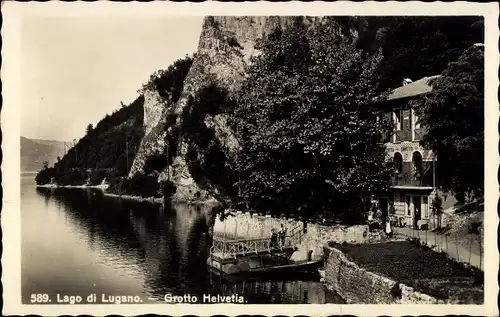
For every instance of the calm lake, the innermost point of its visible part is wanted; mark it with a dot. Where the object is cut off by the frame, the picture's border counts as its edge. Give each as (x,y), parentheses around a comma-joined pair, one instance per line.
(79,242)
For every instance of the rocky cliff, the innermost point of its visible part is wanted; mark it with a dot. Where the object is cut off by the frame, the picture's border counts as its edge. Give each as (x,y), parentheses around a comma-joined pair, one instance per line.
(225,48)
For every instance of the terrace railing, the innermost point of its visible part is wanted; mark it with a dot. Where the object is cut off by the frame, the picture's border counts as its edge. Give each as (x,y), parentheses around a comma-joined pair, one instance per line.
(241,247)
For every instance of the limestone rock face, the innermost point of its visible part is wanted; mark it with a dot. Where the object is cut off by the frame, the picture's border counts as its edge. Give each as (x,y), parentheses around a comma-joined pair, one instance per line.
(155,108)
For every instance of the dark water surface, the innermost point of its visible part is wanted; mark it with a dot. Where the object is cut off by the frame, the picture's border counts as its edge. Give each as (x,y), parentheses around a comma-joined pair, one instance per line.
(79,242)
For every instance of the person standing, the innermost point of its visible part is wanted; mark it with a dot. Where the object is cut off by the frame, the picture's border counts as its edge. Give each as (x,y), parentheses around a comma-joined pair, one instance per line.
(274,238)
(282,234)
(388,229)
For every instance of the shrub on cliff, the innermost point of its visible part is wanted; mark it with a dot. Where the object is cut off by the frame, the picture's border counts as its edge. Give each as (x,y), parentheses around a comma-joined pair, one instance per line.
(309,138)
(170,82)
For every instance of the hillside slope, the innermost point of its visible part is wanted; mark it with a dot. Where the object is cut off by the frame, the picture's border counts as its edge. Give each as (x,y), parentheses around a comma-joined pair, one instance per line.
(34,152)
(108,149)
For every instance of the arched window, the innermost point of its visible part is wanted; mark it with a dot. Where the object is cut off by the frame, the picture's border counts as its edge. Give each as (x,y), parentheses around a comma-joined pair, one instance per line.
(417,165)
(398,162)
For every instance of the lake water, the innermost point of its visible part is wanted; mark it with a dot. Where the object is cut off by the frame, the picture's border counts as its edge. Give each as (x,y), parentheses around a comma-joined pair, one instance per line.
(77,242)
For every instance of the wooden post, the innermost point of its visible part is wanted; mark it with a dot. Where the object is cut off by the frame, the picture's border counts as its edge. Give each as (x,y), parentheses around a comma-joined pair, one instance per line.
(470,247)
(480,252)
(433,170)
(224,239)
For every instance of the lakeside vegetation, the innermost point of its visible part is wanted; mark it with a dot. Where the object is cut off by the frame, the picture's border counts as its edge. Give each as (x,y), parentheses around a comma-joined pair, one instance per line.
(309,140)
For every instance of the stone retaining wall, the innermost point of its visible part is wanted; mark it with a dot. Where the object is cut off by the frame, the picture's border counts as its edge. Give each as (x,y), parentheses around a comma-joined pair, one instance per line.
(359,286)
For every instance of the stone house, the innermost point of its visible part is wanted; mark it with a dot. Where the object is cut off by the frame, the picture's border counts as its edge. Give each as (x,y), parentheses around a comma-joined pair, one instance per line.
(415,168)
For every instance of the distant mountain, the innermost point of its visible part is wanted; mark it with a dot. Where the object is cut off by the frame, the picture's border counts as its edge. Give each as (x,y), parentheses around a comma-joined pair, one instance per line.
(34,152)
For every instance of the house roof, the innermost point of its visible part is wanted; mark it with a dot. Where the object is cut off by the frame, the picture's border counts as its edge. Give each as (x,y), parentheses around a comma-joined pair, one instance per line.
(416,88)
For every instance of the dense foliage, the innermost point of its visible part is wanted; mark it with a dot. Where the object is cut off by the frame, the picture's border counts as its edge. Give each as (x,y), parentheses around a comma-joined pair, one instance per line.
(415,47)
(155,162)
(453,115)
(309,139)
(103,149)
(138,185)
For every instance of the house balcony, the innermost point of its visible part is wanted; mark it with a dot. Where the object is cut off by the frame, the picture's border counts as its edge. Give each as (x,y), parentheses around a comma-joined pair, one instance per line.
(408,179)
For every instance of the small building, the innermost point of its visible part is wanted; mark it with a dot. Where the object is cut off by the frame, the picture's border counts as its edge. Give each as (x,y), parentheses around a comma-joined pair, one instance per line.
(415,175)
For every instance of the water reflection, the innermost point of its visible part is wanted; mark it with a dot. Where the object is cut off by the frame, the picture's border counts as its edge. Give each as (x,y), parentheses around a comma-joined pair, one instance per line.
(79,241)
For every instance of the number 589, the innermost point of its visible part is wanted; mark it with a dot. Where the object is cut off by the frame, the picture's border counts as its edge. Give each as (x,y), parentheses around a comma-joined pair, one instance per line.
(39,298)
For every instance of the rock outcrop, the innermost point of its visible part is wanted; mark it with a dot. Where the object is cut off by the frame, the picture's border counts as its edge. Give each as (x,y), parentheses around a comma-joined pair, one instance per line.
(155,108)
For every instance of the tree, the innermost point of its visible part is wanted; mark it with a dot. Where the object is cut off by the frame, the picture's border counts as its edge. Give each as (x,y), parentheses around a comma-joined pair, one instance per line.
(46,165)
(453,115)
(415,47)
(90,128)
(308,134)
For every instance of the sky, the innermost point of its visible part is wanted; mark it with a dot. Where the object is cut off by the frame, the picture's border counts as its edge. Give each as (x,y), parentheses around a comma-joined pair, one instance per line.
(76,70)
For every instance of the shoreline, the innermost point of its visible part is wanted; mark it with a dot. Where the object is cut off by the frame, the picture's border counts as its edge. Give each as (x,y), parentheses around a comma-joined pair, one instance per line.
(152,200)
(102,187)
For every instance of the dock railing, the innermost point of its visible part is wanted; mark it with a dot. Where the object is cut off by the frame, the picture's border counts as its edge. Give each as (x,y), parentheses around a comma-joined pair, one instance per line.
(241,247)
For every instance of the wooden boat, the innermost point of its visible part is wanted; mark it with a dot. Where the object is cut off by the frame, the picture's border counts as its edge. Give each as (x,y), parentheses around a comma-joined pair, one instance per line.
(305,270)
(310,266)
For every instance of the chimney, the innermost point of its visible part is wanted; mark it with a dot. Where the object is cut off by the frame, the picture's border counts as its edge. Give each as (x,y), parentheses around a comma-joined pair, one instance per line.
(407,81)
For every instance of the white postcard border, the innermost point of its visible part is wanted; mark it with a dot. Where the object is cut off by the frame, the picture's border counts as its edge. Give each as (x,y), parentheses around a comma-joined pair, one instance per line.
(14,12)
